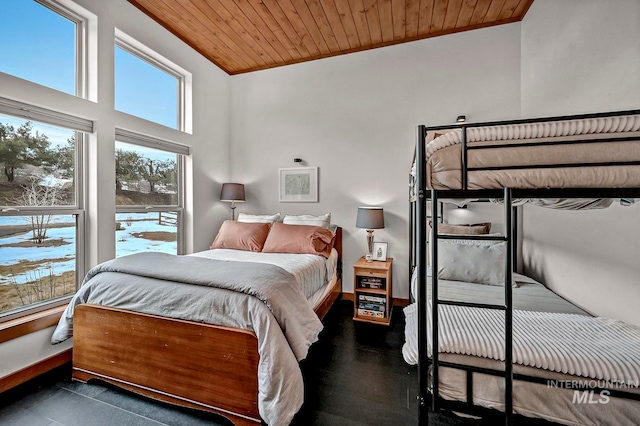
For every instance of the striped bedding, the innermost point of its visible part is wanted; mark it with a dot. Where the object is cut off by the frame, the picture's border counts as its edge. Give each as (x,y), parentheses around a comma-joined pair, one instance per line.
(570,343)
(579,345)
(561,154)
(550,129)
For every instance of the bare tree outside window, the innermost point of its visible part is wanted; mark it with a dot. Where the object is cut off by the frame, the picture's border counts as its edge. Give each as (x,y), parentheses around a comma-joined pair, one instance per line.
(37,245)
(37,195)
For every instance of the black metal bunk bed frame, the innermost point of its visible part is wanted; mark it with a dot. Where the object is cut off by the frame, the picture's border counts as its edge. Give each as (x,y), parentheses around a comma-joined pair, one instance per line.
(418,225)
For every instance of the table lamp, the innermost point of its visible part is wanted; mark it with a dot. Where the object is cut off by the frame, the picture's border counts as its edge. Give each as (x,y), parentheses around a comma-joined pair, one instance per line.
(232,192)
(370,218)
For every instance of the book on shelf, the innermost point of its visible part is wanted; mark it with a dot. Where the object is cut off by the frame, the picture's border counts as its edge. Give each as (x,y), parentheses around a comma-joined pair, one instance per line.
(371,298)
(372,282)
(370,313)
(372,306)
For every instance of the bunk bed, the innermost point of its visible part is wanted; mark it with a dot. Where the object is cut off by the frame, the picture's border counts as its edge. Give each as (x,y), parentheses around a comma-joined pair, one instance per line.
(576,161)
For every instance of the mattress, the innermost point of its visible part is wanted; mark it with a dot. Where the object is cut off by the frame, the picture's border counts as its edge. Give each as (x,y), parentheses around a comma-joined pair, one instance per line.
(312,272)
(568,403)
(530,295)
(578,163)
(562,398)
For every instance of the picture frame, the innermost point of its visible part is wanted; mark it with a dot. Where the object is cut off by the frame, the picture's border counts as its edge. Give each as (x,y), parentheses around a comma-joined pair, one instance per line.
(298,185)
(379,252)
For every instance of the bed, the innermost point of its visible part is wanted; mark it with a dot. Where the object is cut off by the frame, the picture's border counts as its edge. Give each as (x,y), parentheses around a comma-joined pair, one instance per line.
(589,152)
(153,324)
(531,399)
(482,366)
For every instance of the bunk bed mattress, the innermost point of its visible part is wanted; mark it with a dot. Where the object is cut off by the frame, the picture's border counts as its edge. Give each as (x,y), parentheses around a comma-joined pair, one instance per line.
(530,295)
(585,163)
(567,405)
(562,398)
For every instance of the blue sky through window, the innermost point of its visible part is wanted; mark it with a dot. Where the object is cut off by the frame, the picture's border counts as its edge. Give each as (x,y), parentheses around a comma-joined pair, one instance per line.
(38,45)
(144,90)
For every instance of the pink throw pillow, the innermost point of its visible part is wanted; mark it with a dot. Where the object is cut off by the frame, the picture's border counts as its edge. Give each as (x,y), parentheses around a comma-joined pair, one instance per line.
(241,236)
(303,239)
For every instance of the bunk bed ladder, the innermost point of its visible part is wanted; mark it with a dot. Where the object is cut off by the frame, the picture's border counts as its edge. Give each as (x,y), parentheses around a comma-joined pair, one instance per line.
(421,226)
(507,307)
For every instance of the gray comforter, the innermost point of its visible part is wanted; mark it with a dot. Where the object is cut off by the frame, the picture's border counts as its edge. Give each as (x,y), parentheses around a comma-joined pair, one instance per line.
(259,297)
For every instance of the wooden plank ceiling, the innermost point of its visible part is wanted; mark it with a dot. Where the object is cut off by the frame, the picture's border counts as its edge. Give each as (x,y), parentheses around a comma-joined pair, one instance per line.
(248,35)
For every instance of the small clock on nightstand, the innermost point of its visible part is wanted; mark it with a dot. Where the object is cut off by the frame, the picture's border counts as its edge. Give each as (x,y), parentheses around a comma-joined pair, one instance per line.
(372,291)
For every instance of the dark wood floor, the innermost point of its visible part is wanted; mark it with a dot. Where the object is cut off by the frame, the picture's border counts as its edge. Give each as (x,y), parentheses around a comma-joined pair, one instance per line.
(354,376)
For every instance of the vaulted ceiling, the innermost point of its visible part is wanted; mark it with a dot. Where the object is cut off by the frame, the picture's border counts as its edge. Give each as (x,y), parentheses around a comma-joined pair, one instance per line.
(248,35)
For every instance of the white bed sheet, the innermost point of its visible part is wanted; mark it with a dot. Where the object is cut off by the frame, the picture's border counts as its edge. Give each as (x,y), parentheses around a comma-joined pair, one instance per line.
(312,272)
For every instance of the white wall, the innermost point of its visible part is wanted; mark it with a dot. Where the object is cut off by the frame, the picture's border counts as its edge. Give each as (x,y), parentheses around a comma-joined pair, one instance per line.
(208,166)
(354,117)
(582,56)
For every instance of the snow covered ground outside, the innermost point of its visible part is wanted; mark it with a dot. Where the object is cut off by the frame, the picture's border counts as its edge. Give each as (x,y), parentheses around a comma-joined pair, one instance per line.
(63,256)
(126,243)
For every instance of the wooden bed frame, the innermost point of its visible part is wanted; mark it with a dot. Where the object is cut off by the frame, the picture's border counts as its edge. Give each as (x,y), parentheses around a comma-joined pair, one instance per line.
(190,364)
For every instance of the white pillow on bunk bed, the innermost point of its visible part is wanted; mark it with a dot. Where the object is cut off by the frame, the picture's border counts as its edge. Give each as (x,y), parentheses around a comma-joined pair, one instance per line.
(474,261)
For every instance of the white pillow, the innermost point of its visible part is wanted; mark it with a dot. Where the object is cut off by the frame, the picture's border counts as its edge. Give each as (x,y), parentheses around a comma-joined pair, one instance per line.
(259,218)
(472,261)
(323,220)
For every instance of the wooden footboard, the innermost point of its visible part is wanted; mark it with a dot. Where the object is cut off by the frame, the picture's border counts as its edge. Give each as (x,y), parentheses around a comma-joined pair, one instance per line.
(195,365)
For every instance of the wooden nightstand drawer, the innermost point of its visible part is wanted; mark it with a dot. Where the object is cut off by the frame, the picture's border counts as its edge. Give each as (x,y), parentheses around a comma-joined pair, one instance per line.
(370,272)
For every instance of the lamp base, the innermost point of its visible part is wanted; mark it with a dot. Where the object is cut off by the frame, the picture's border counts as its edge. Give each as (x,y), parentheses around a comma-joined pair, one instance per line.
(369,256)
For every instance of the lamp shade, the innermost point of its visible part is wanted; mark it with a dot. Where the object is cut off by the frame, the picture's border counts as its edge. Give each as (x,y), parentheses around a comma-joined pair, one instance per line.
(232,192)
(370,218)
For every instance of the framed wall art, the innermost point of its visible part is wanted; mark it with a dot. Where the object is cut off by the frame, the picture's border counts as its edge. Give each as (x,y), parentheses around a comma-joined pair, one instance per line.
(299,185)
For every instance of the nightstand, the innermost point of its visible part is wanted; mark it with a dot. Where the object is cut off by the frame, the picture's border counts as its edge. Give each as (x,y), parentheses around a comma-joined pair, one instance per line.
(372,291)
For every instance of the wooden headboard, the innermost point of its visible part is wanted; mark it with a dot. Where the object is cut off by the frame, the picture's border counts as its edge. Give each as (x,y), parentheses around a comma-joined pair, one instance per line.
(338,246)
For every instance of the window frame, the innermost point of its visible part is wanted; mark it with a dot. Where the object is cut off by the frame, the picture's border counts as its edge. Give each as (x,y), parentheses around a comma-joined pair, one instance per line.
(81,127)
(81,63)
(181,151)
(140,51)
(77,15)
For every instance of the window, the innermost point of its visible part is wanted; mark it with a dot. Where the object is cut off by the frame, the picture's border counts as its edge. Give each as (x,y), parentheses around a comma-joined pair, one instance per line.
(41,216)
(44,44)
(149,195)
(147,86)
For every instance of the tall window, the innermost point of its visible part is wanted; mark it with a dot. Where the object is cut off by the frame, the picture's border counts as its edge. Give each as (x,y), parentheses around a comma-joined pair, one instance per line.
(43,43)
(41,214)
(147,87)
(149,194)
